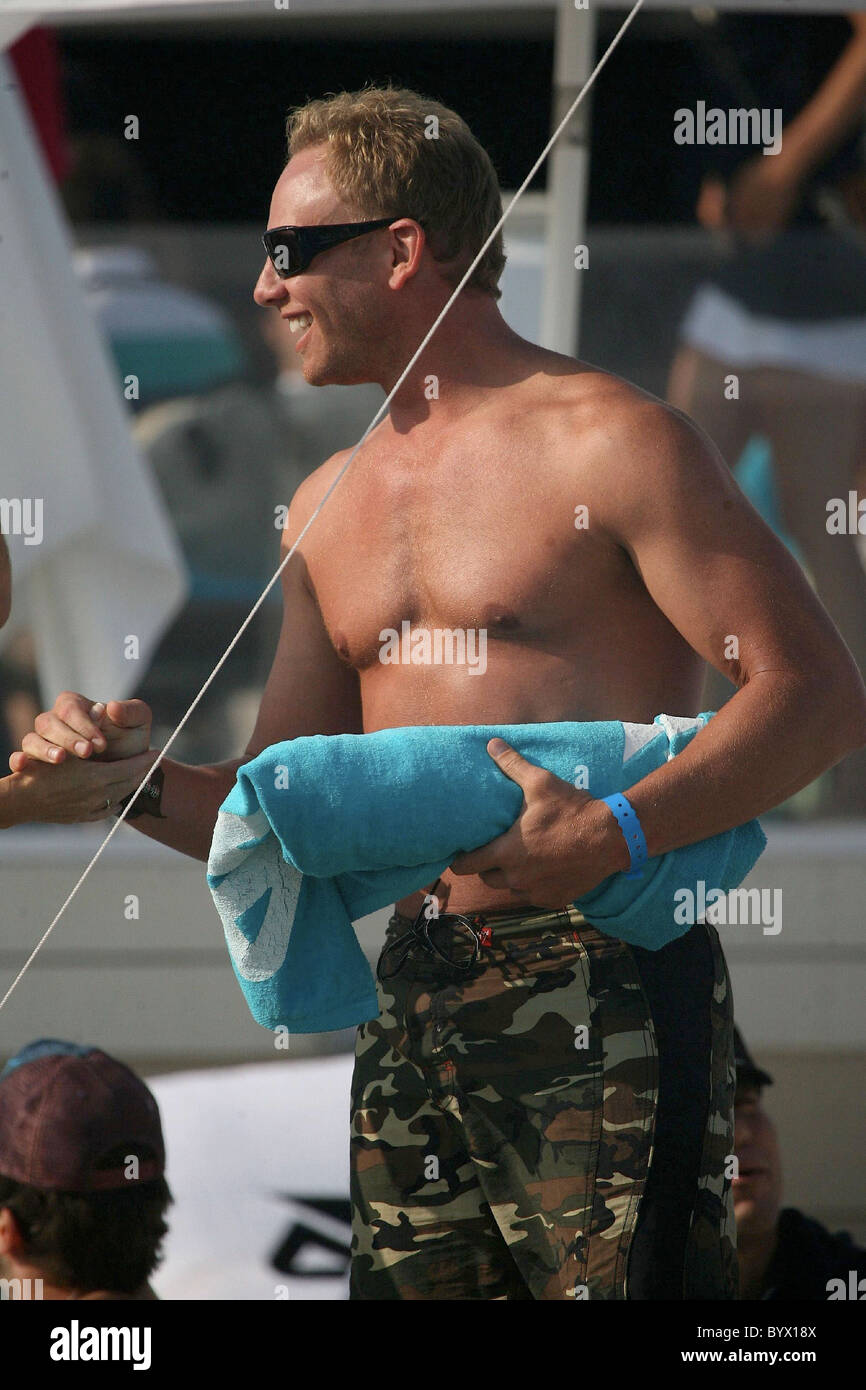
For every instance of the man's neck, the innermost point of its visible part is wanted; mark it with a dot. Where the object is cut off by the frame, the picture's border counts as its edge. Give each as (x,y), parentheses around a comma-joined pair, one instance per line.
(472,351)
(754,1255)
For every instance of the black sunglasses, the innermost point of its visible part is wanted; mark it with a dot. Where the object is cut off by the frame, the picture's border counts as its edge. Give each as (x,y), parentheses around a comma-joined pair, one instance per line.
(292,248)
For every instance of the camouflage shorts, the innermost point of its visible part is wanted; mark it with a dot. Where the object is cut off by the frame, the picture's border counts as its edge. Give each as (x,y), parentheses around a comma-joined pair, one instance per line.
(552,1125)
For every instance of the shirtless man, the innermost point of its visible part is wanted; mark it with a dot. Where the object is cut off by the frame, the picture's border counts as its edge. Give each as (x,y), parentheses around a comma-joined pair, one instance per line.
(496,1153)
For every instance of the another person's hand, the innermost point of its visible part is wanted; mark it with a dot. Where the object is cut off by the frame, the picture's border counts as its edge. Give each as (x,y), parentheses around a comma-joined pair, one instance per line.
(85,729)
(76,790)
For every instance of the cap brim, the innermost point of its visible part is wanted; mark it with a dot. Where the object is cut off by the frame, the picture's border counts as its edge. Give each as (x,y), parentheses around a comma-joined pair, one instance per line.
(753,1076)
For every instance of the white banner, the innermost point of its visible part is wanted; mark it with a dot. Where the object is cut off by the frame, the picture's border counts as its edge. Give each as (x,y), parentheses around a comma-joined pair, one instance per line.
(94,559)
(258,1165)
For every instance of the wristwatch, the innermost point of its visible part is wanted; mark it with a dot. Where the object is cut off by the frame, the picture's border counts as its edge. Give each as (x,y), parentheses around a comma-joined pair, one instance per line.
(149,798)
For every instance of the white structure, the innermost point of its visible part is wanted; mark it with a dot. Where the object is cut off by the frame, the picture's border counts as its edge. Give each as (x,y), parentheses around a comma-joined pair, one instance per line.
(98,575)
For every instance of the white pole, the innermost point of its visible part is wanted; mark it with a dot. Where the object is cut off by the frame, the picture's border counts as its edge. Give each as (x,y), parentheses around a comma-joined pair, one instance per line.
(569,167)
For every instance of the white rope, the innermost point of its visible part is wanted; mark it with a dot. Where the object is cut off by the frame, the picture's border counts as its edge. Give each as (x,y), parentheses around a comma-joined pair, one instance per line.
(375,420)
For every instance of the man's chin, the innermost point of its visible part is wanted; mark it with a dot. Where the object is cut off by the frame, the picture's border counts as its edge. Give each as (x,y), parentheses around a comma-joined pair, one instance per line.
(321,375)
(318,373)
(753,1216)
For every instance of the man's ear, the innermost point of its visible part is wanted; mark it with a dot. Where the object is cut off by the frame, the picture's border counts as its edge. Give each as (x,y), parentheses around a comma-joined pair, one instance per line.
(409,242)
(11,1239)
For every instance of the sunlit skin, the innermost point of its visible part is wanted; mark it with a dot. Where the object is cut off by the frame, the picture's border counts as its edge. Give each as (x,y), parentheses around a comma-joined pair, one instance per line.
(459,512)
(757,1190)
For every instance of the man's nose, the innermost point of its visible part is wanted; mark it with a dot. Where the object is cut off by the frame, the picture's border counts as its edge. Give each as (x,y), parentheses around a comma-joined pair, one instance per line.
(270,288)
(744,1131)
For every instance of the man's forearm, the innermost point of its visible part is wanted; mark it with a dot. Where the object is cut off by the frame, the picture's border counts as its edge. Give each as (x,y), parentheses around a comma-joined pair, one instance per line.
(776,735)
(191,798)
(833,111)
(10,813)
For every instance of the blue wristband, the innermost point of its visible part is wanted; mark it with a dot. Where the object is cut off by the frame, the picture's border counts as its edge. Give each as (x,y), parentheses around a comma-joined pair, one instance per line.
(626,819)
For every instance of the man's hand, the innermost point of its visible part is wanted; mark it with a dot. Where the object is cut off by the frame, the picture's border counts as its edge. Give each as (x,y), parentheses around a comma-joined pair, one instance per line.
(562,845)
(85,729)
(78,790)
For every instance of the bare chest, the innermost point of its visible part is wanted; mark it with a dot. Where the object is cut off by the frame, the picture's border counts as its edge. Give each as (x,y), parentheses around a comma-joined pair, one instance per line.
(495,536)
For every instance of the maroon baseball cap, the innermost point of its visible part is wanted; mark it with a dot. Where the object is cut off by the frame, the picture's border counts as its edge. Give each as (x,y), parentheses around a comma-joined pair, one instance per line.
(63,1108)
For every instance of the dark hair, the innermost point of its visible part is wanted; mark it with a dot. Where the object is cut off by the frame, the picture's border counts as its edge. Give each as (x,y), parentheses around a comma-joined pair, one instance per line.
(92,1240)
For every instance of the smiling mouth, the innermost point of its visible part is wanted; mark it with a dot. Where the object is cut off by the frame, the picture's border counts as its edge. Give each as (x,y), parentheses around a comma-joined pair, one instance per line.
(746,1174)
(298,323)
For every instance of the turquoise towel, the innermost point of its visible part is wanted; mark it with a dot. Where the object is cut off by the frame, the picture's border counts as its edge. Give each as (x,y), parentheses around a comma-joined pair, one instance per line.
(319,831)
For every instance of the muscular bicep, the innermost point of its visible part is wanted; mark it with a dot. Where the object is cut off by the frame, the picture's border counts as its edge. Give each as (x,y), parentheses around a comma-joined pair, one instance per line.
(309,689)
(711,564)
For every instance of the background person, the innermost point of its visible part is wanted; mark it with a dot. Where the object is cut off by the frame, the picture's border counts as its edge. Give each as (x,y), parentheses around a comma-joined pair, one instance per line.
(19,691)
(19,688)
(782,1254)
(786,311)
(5,581)
(83,1194)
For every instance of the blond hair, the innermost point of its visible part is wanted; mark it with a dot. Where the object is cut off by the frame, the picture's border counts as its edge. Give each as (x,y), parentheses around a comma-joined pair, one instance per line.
(382,161)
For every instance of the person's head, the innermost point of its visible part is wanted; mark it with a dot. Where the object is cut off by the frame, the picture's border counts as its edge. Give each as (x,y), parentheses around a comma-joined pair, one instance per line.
(757,1190)
(83,1195)
(381,153)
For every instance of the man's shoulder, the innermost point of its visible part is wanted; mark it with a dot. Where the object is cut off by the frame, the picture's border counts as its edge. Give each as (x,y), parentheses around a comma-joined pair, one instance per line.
(629,451)
(618,417)
(798,1229)
(808,1256)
